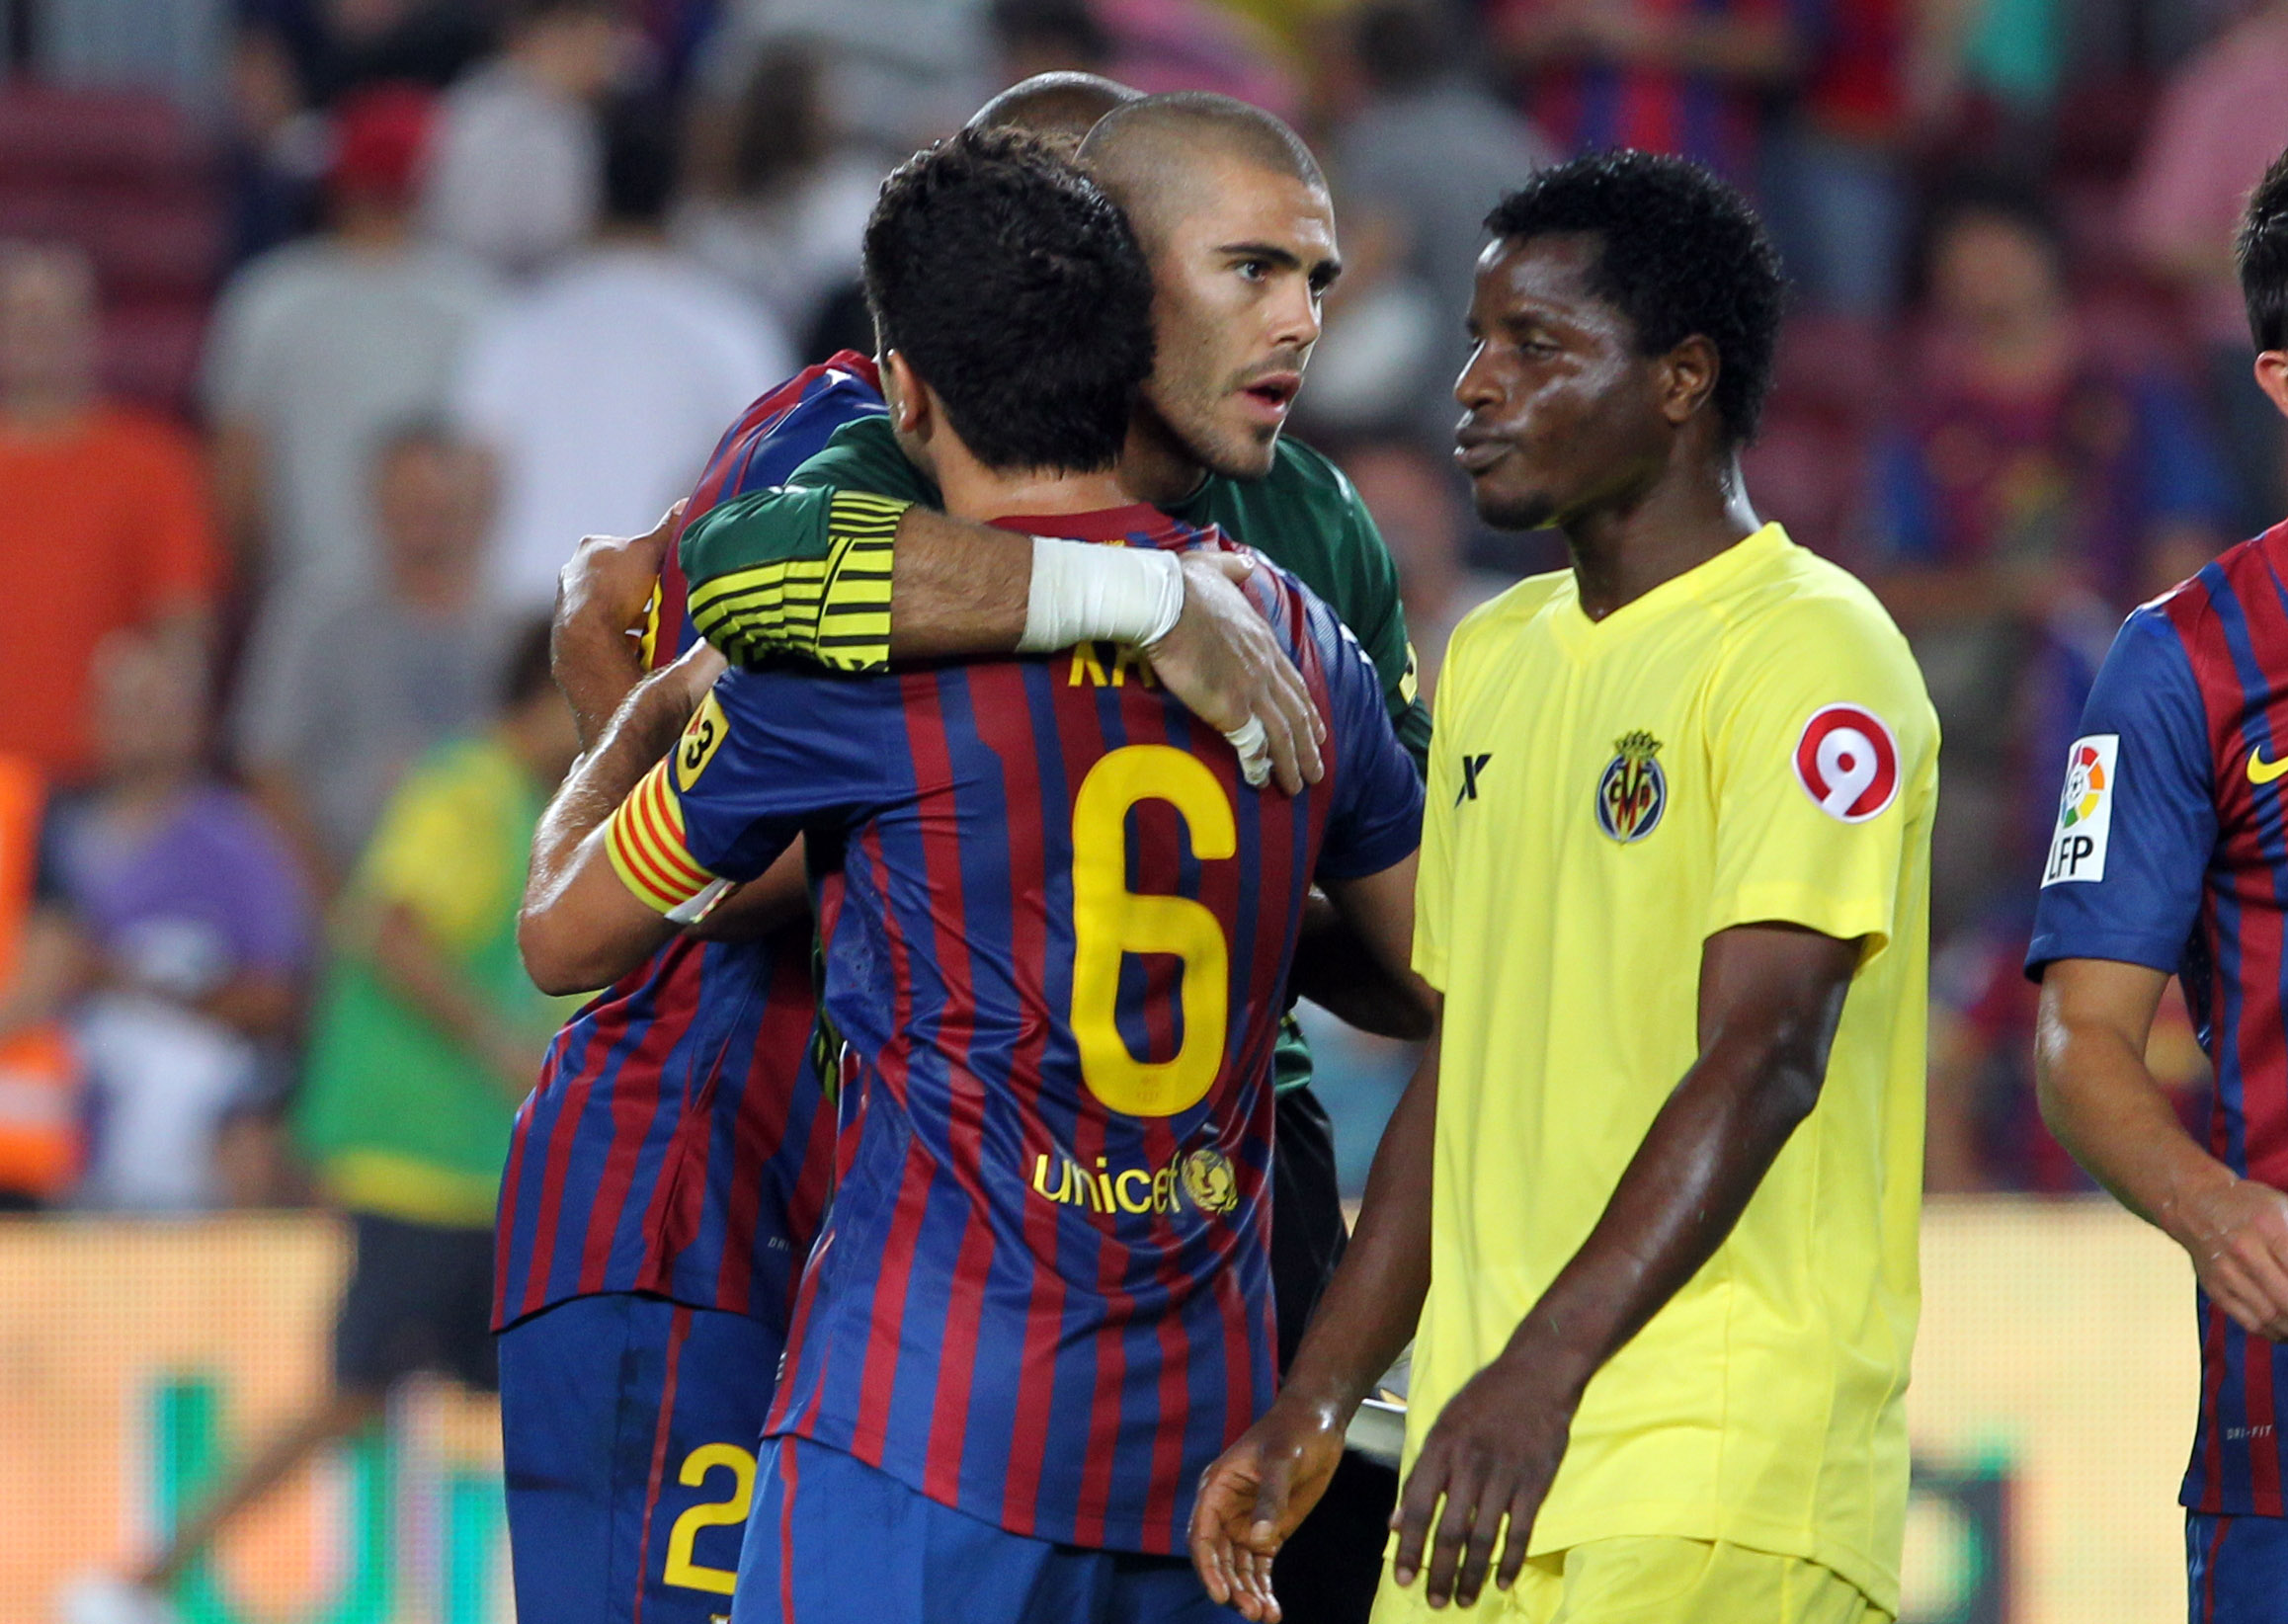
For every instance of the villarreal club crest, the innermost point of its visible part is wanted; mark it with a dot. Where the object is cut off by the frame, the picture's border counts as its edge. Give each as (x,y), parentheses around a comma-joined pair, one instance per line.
(1634,791)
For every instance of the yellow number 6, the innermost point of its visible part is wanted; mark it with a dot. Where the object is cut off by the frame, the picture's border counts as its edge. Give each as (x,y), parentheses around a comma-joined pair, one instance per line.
(717,1514)
(1109,920)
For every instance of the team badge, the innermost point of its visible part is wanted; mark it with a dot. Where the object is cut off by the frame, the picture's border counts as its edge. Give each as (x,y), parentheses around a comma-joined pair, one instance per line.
(1209,1182)
(2085,811)
(701,739)
(1634,791)
(1848,763)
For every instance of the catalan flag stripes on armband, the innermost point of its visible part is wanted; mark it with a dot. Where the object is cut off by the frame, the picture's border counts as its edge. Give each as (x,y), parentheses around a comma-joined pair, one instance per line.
(645,842)
(835,611)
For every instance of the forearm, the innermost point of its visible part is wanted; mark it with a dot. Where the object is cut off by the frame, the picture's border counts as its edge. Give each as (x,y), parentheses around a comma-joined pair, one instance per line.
(1373,1303)
(640,732)
(597,669)
(1680,1195)
(2118,1122)
(957,588)
(1337,971)
(412,965)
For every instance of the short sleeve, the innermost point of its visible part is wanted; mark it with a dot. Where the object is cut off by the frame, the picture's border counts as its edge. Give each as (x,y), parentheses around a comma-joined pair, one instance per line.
(766,755)
(436,851)
(1823,752)
(240,368)
(2137,820)
(1375,819)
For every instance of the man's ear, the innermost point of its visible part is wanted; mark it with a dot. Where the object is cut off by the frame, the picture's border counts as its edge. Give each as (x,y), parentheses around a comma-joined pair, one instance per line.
(1687,379)
(904,392)
(2272,378)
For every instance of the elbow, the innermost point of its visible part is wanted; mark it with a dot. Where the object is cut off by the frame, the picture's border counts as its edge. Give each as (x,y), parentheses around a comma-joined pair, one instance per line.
(1414,1013)
(556,965)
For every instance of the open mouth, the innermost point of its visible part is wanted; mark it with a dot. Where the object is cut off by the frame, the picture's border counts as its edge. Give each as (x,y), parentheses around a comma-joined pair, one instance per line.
(1274,394)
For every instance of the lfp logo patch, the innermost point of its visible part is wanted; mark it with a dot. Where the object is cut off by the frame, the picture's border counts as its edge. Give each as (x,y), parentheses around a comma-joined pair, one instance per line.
(2085,811)
(1634,791)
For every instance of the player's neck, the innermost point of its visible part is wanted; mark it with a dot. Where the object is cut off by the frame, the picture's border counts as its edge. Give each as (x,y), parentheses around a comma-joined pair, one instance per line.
(974,491)
(1683,520)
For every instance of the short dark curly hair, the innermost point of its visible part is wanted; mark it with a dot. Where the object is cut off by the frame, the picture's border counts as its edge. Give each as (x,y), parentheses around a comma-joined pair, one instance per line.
(2262,252)
(1680,253)
(1017,289)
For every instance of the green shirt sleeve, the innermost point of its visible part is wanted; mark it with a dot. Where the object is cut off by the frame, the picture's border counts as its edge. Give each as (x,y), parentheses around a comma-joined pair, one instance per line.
(804,569)
(1372,609)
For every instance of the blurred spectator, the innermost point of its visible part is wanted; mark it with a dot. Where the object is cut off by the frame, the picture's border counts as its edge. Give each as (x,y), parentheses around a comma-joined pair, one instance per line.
(104,524)
(191,926)
(180,48)
(367,681)
(789,231)
(2031,494)
(1667,75)
(1835,182)
(274,152)
(1198,45)
(513,179)
(1424,151)
(427,1033)
(601,388)
(2223,117)
(898,72)
(40,1139)
(317,350)
(1033,36)
(1411,491)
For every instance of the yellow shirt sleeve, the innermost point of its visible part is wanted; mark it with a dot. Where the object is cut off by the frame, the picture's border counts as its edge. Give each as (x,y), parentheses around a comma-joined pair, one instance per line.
(434,851)
(1825,749)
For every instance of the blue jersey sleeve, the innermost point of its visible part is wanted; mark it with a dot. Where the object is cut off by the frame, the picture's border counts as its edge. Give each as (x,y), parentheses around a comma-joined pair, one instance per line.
(773,752)
(2137,817)
(1375,819)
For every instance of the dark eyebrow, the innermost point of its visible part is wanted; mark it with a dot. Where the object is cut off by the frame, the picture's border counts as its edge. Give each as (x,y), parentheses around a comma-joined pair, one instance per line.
(1323,272)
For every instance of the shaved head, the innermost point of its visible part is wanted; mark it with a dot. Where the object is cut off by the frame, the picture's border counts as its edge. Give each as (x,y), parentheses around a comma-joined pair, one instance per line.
(1066,105)
(1151,152)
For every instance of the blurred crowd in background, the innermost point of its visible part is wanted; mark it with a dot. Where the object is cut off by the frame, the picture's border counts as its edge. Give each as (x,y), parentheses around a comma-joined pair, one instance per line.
(328,326)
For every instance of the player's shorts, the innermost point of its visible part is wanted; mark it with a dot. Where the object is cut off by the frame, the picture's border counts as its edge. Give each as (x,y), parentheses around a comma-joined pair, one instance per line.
(835,1541)
(420,1297)
(2236,1569)
(628,1428)
(1656,1580)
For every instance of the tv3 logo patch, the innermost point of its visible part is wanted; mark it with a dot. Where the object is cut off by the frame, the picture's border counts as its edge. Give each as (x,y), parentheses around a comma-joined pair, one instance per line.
(2085,811)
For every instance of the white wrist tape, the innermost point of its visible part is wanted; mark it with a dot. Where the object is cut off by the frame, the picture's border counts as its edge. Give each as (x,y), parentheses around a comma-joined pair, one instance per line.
(1085,591)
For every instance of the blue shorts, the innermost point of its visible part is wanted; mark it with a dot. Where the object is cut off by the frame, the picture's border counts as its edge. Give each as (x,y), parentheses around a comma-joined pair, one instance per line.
(2237,1568)
(835,1541)
(628,1429)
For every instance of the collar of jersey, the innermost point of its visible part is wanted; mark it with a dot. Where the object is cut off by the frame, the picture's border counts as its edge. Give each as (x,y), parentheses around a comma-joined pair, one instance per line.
(1137,525)
(1577,631)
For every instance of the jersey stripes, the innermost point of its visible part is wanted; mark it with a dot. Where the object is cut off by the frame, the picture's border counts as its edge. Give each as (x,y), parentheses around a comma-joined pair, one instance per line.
(678,1142)
(1029,1303)
(834,612)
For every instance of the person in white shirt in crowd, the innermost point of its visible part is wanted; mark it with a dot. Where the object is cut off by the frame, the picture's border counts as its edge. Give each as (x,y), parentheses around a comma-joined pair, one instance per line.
(600,389)
(515,177)
(317,350)
(370,678)
(787,217)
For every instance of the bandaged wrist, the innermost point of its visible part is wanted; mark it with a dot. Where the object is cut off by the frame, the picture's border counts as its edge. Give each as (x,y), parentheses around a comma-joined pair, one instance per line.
(1084,590)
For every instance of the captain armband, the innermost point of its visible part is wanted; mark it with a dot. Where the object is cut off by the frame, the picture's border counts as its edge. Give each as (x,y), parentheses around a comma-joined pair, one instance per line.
(833,612)
(644,840)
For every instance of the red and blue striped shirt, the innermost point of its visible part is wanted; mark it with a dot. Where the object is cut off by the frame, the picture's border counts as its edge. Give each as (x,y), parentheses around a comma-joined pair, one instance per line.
(677,1142)
(1056,926)
(2170,851)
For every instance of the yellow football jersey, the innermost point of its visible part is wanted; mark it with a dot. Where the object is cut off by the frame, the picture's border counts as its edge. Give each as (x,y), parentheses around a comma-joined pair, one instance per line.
(1750,741)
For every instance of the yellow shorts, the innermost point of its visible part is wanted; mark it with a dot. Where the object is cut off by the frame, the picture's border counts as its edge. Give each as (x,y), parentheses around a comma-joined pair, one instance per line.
(1652,1581)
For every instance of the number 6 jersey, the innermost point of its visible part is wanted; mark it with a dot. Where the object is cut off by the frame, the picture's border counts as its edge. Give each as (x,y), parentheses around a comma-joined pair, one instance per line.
(1057,927)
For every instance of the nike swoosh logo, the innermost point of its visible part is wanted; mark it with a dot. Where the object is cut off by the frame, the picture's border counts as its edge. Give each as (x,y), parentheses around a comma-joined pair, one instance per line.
(2261,771)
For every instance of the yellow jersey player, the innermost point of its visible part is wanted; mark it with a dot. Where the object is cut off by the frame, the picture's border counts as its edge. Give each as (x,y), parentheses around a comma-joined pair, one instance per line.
(1660,1188)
